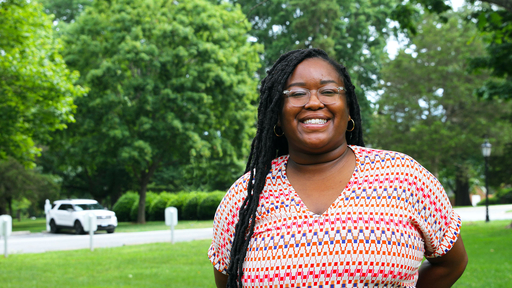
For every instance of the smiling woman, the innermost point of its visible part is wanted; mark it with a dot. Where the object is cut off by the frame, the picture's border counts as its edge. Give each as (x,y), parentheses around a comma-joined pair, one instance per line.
(328,212)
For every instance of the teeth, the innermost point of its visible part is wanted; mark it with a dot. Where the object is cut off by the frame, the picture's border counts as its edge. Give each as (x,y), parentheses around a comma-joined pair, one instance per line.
(315,121)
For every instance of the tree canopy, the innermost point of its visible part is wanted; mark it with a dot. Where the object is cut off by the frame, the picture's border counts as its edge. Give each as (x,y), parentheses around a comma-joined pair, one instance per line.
(17,183)
(428,109)
(37,88)
(170,83)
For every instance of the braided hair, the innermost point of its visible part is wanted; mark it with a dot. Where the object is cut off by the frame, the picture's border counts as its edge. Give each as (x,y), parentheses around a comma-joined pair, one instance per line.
(266,146)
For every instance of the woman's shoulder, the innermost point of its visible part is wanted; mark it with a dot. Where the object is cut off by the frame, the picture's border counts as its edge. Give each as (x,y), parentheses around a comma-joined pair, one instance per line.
(368,155)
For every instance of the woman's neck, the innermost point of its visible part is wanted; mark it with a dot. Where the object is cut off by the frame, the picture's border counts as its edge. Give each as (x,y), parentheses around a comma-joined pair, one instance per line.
(305,163)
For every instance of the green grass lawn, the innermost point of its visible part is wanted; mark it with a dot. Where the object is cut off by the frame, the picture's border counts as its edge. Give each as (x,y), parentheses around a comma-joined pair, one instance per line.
(185,264)
(489,247)
(38,225)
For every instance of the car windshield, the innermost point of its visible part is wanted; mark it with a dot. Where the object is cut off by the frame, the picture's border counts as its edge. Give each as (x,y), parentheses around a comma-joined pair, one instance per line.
(81,207)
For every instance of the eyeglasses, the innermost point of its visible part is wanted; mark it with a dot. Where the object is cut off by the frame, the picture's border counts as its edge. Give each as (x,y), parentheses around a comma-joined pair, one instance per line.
(298,97)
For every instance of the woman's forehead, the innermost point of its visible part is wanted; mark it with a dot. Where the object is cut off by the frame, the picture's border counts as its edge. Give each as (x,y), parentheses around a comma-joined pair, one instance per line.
(314,71)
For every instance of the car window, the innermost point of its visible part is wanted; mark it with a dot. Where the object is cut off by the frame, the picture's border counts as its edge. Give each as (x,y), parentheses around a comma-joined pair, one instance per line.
(65,207)
(95,206)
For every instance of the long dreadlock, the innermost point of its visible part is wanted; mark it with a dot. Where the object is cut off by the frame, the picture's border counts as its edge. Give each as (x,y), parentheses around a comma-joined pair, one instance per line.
(266,146)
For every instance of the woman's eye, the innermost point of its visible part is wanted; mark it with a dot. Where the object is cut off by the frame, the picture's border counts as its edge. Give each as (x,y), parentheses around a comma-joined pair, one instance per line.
(329,92)
(297,94)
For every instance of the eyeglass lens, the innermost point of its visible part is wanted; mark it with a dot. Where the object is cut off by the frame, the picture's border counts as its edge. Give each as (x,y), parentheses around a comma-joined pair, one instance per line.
(300,96)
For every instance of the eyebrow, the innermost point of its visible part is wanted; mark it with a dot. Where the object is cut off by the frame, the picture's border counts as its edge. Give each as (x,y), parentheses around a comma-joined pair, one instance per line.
(304,84)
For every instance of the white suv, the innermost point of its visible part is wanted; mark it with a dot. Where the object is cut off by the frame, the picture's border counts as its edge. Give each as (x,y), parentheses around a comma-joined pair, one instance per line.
(71,214)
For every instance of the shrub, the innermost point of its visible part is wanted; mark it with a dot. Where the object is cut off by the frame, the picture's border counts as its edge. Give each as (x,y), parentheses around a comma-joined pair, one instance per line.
(502,196)
(178,202)
(157,209)
(124,205)
(150,198)
(190,207)
(207,207)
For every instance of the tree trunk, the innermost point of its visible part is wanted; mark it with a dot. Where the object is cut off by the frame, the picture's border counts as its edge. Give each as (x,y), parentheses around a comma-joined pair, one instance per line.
(144,181)
(2,207)
(462,188)
(9,203)
(141,216)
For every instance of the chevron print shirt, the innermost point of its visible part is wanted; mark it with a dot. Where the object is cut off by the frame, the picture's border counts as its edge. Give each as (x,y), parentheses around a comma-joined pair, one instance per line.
(375,234)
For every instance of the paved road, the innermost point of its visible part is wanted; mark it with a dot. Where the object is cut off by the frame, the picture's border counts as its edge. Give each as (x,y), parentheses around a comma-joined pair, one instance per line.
(42,242)
(496,212)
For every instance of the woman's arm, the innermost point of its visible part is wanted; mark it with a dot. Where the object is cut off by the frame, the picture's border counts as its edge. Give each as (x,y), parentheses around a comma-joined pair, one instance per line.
(221,280)
(444,271)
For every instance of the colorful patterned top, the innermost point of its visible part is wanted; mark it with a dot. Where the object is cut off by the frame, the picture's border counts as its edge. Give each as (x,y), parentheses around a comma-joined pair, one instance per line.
(375,234)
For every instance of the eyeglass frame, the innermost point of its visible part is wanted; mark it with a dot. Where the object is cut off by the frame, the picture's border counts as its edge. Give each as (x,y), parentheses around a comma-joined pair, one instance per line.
(286,92)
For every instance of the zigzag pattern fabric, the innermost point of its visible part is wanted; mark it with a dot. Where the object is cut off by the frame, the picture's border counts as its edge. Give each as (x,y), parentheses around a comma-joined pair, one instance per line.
(392,213)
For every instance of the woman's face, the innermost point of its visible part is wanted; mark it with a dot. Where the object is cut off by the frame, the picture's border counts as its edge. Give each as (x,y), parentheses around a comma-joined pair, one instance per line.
(314,128)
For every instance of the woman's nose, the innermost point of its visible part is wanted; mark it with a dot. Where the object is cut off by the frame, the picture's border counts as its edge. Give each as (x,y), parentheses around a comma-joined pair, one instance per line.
(314,101)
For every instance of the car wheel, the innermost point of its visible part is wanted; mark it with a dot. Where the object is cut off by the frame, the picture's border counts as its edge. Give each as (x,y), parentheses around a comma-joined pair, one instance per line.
(53,227)
(110,230)
(78,228)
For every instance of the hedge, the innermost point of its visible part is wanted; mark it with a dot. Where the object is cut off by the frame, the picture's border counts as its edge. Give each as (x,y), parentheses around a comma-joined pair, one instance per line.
(208,206)
(502,196)
(124,205)
(179,202)
(157,209)
(190,205)
(150,198)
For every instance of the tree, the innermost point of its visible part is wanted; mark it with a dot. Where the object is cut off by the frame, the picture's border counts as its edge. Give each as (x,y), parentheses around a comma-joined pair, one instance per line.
(495,27)
(170,83)
(37,88)
(17,182)
(351,32)
(494,24)
(65,10)
(428,110)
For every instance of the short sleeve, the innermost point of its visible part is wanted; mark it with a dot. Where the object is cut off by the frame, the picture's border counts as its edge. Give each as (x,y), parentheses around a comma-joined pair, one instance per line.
(433,214)
(224,223)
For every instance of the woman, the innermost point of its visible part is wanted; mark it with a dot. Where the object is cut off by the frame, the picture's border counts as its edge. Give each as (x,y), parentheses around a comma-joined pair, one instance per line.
(294,225)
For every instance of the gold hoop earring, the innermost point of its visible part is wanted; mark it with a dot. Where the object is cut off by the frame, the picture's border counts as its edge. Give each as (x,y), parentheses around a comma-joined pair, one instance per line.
(278,135)
(353,126)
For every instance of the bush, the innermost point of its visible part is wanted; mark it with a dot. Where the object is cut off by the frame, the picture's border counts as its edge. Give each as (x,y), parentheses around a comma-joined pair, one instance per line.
(150,198)
(178,202)
(502,196)
(207,207)
(190,207)
(157,209)
(124,205)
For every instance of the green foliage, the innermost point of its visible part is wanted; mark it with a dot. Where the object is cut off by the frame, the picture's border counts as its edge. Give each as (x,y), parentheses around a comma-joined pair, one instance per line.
(19,183)
(151,197)
(191,205)
(428,109)
(495,27)
(171,83)
(208,206)
(503,195)
(134,212)
(499,166)
(352,32)
(157,208)
(65,10)
(178,202)
(37,88)
(124,204)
